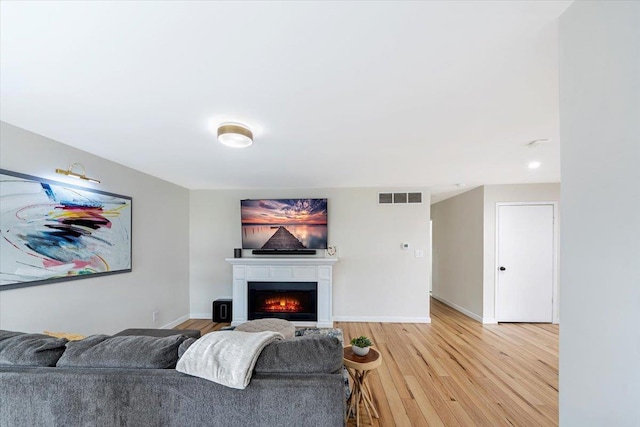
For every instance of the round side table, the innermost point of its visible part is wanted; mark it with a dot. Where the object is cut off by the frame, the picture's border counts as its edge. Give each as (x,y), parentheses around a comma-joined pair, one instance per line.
(359,368)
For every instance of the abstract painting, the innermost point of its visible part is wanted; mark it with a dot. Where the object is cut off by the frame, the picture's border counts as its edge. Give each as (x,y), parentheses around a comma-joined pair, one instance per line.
(52,231)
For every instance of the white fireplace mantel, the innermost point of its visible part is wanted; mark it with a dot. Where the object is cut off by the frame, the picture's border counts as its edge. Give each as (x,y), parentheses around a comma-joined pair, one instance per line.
(283,269)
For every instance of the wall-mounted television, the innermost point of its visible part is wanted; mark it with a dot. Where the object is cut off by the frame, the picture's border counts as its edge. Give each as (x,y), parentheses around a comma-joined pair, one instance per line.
(284,224)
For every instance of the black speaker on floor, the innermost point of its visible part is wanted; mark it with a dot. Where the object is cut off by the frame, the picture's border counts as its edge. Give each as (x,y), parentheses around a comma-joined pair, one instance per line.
(222,310)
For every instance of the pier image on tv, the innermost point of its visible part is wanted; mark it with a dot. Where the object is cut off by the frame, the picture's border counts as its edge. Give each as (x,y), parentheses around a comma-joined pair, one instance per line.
(284,224)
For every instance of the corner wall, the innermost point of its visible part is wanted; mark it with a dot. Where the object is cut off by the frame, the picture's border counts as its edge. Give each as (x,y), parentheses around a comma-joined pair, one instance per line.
(374,280)
(160,277)
(600,243)
(457,252)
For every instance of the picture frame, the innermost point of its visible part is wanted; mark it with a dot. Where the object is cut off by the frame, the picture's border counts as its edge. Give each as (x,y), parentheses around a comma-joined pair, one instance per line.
(53,231)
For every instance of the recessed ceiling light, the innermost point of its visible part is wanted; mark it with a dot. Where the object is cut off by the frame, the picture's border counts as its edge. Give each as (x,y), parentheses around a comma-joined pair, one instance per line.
(534,165)
(461,185)
(235,135)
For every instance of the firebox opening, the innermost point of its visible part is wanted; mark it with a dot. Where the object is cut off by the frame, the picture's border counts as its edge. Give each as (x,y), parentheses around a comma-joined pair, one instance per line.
(284,300)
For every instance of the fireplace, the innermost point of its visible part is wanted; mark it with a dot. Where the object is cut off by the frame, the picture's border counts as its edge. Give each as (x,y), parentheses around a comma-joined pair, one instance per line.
(290,270)
(283,300)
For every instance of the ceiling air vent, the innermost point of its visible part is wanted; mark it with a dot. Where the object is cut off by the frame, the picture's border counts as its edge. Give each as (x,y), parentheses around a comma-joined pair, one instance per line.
(399,198)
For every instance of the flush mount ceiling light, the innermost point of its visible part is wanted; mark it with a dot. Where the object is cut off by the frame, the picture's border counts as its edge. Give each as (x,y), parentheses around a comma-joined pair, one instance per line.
(70,172)
(235,135)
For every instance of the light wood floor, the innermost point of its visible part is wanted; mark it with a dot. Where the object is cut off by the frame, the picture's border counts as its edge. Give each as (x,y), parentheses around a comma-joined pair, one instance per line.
(457,372)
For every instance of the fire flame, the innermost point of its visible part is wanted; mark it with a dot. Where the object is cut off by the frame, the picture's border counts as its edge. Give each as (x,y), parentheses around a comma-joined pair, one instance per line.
(280,304)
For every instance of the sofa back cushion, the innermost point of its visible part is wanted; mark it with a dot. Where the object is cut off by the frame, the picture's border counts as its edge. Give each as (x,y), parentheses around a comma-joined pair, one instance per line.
(104,351)
(306,354)
(17,348)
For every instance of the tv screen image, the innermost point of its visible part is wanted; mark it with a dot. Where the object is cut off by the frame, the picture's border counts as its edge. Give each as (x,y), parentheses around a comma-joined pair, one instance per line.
(284,224)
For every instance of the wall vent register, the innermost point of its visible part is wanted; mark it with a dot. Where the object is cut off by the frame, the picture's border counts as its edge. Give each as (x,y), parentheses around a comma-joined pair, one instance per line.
(399,198)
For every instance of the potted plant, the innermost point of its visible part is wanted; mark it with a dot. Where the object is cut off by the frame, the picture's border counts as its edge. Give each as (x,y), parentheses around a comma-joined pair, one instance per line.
(360,345)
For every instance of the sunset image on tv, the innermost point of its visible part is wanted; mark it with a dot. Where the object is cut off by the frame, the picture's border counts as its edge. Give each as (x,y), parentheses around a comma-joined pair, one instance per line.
(284,224)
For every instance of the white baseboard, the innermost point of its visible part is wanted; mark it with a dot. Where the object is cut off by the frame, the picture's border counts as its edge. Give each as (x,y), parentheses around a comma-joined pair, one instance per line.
(382,319)
(489,321)
(176,322)
(459,308)
(200,316)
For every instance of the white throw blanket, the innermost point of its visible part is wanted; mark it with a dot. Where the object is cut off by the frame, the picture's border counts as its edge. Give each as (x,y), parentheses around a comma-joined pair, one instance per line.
(226,357)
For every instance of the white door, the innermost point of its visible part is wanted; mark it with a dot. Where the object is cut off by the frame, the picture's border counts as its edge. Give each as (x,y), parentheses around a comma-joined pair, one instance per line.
(525,263)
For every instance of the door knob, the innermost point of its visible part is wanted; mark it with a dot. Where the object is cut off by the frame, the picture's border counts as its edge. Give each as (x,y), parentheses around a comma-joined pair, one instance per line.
(502,269)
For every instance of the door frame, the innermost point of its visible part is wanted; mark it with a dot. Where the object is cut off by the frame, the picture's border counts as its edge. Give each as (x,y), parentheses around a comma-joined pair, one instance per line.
(554,291)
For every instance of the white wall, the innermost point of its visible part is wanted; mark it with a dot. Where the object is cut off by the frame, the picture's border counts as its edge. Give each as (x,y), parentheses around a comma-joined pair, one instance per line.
(457,251)
(600,241)
(375,280)
(501,194)
(160,276)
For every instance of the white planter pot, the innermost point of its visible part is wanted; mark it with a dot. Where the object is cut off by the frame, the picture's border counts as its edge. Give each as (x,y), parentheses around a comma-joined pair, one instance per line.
(360,351)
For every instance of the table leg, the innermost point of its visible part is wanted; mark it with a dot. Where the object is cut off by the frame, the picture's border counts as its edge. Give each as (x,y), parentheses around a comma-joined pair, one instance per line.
(351,395)
(360,394)
(356,397)
(368,396)
(363,397)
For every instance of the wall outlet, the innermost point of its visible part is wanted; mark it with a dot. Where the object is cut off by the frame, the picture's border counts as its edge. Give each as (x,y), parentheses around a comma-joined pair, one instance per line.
(155,315)
(419,253)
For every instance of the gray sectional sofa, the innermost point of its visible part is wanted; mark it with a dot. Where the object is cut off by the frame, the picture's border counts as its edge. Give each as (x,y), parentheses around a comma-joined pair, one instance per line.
(130,381)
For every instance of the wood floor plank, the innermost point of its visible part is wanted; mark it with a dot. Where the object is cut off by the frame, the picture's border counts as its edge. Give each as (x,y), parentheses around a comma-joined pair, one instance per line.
(414,414)
(398,411)
(474,403)
(424,404)
(396,361)
(380,401)
(456,371)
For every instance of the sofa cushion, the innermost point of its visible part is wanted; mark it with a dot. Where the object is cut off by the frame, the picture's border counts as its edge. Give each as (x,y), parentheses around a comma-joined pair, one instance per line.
(103,351)
(193,333)
(286,328)
(306,354)
(184,346)
(332,332)
(17,348)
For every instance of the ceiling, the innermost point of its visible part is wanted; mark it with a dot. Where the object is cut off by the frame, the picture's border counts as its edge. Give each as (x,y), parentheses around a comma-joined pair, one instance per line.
(339,94)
